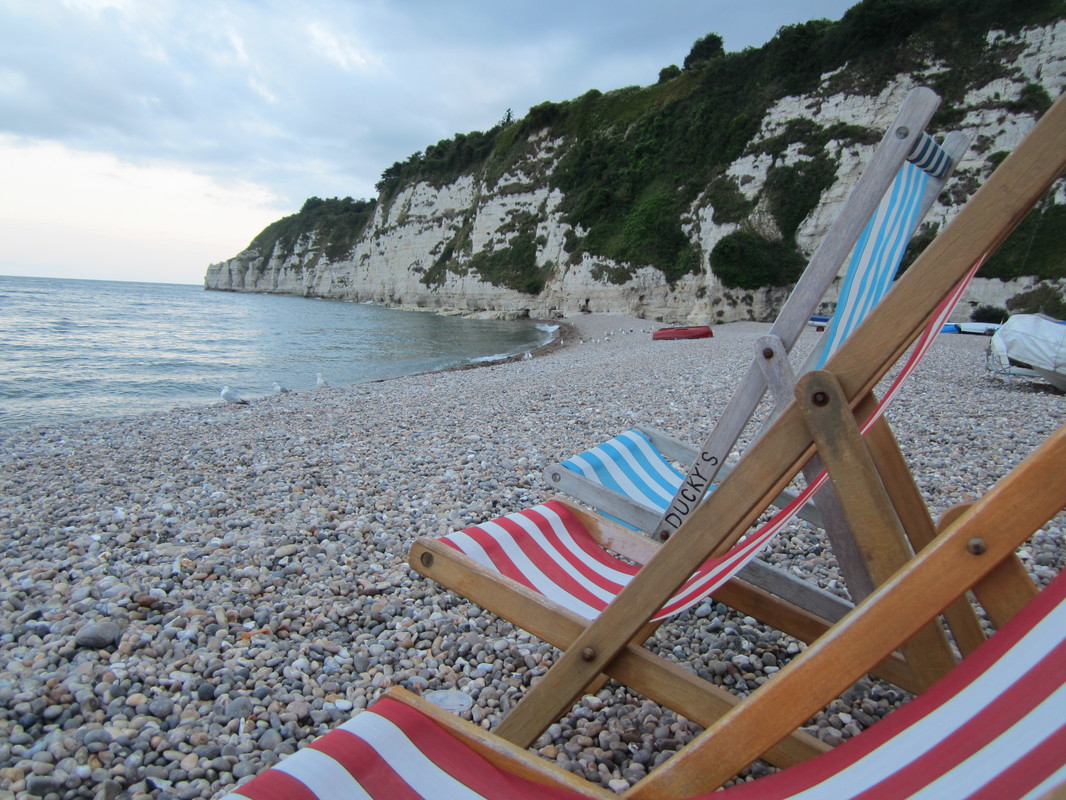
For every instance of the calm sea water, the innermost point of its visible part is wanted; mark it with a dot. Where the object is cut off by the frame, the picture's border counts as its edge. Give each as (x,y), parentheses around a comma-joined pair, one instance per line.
(75,349)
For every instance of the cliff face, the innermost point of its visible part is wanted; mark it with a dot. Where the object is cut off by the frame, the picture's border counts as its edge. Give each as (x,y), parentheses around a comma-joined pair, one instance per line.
(431,244)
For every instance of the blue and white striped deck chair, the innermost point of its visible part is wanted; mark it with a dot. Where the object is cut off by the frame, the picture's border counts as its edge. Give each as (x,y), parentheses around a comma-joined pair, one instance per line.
(630,478)
(879,251)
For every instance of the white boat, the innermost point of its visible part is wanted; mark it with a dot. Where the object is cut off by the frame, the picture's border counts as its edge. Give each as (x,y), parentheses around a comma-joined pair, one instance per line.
(1030,345)
(973,328)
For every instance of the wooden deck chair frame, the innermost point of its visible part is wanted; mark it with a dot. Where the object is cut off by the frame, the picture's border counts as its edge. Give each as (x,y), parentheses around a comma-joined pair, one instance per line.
(770,368)
(977,543)
(974,544)
(975,551)
(822,419)
(901,138)
(776,597)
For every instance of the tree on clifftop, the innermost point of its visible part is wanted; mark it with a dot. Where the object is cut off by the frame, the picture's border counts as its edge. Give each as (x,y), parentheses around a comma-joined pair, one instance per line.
(706,48)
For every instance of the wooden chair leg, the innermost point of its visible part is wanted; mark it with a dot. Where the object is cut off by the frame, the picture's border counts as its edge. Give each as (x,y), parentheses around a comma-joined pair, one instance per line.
(907,499)
(663,681)
(867,506)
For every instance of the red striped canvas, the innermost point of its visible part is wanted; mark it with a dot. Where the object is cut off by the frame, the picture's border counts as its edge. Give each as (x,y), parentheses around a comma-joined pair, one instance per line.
(994,729)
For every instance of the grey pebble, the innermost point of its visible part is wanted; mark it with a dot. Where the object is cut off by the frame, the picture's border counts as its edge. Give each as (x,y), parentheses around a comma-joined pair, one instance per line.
(161,708)
(270,740)
(41,785)
(239,708)
(253,591)
(98,635)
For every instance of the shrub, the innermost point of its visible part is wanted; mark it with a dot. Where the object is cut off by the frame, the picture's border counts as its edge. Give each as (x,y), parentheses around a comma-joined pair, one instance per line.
(746,260)
(1033,99)
(795,190)
(993,314)
(669,73)
(705,49)
(652,232)
(441,162)
(434,276)
(542,115)
(1041,299)
(514,266)
(728,202)
(336,224)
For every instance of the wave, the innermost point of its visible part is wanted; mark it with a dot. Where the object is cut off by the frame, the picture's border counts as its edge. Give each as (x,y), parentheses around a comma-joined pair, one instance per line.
(134,348)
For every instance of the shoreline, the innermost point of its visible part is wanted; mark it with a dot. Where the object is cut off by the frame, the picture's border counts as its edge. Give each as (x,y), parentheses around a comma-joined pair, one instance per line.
(559,340)
(149,365)
(561,337)
(242,568)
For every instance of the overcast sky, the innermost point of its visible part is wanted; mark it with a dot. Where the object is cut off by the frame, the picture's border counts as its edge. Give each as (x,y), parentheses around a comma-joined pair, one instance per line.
(144,139)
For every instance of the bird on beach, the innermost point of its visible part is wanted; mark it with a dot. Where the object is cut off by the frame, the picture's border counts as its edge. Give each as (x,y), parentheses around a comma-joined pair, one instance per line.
(231,396)
(279,389)
(321,382)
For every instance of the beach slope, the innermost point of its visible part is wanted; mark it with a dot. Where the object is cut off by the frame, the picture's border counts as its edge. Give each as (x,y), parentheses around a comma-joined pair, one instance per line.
(187,596)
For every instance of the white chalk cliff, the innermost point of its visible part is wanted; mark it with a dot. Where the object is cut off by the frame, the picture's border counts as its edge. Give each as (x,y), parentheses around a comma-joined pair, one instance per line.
(406,236)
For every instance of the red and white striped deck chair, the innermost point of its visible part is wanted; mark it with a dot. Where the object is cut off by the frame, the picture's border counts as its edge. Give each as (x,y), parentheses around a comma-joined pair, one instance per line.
(993,728)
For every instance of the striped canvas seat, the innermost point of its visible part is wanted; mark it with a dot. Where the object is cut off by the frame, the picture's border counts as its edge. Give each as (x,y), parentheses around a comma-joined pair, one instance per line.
(389,752)
(631,466)
(879,251)
(547,549)
(994,728)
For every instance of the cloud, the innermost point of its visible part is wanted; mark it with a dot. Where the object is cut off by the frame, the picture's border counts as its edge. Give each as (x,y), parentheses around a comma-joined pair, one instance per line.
(70,201)
(338,49)
(302,99)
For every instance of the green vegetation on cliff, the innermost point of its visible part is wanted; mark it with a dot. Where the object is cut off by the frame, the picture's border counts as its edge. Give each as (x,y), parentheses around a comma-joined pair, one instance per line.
(441,163)
(1039,239)
(336,225)
(671,141)
(632,162)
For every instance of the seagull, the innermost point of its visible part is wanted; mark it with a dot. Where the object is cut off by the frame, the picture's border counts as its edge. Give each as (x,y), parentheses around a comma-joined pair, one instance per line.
(279,389)
(231,396)
(321,382)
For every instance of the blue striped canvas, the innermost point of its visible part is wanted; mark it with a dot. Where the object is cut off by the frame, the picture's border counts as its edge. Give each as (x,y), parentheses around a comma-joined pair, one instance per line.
(929,157)
(630,465)
(876,256)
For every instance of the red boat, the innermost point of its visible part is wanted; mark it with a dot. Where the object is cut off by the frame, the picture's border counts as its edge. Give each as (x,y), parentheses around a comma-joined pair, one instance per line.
(688,332)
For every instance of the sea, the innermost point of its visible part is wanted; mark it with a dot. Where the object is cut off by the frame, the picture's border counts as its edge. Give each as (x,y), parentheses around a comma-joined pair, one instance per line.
(75,350)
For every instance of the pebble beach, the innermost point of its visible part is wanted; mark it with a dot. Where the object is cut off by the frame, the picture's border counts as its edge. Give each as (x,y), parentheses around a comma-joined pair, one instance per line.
(186,597)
